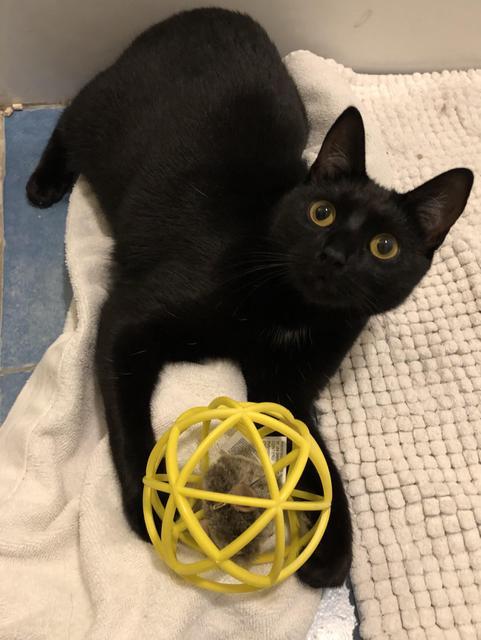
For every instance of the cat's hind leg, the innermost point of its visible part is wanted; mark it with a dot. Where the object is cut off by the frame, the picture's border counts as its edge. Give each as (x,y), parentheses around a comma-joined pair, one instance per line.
(52,178)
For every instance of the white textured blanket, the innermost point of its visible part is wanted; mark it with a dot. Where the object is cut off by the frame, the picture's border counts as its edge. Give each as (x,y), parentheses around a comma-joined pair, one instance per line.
(403,416)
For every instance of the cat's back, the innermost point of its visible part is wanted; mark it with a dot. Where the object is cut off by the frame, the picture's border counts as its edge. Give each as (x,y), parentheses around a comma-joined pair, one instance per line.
(204,91)
(202,42)
(208,50)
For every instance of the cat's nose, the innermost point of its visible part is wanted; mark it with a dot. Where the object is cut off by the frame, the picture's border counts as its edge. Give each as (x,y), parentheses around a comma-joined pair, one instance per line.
(332,256)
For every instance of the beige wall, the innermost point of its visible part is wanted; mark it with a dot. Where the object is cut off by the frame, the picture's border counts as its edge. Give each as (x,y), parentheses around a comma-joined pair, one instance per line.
(49,48)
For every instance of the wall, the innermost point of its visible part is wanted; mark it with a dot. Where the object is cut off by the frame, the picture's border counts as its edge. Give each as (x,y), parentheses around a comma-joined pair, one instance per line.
(49,48)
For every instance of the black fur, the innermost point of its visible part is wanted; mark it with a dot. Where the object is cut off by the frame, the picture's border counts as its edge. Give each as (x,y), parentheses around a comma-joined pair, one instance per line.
(192,142)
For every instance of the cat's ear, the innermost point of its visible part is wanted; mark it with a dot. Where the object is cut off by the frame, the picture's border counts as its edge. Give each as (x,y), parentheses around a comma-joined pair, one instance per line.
(343,151)
(439,202)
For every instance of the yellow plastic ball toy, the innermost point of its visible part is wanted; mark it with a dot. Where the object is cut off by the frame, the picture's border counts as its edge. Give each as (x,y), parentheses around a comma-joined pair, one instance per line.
(182,515)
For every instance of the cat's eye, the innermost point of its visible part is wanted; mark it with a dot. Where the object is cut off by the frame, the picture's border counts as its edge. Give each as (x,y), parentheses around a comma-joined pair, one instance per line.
(384,246)
(322,212)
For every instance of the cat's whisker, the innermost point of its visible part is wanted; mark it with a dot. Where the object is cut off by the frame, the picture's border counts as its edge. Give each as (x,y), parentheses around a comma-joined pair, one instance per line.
(257,263)
(369,306)
(267,279)
(261,282)
(259,267)
(198,190)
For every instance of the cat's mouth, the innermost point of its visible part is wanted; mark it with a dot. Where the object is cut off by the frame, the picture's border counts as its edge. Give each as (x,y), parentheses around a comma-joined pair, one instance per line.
(324,290)
(321,290)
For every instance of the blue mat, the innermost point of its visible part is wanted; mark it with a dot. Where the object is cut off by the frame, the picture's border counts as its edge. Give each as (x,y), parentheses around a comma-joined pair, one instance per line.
(36,291)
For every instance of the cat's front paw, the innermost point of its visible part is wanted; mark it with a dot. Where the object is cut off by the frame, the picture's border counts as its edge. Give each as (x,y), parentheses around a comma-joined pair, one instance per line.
(327,567)
(330,563)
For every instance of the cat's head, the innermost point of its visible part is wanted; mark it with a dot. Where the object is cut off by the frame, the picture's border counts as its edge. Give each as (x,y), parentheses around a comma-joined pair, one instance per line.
(351,243)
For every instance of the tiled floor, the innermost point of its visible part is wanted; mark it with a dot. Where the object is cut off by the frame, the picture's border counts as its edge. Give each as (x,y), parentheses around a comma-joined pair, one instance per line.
(36,291)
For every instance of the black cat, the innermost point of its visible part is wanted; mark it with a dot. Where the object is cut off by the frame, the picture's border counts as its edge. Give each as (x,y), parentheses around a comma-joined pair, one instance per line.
(226,244)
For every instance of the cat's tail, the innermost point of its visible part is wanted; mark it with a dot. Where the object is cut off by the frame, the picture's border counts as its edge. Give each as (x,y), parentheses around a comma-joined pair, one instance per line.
(52,178)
